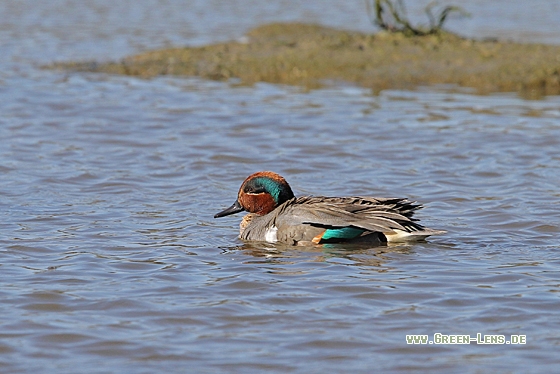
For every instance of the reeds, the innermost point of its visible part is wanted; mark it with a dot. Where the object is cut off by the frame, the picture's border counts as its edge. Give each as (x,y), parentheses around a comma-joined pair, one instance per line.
(391,16)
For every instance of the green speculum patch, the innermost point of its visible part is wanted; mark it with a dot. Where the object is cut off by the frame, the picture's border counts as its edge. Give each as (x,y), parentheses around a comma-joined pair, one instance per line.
(345,233)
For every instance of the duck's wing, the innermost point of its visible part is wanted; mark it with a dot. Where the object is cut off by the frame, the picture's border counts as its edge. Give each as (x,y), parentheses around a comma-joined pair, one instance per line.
(369,213)
(349,217)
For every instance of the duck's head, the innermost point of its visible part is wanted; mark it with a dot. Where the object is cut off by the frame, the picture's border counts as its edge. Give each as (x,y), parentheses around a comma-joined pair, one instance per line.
(260,193)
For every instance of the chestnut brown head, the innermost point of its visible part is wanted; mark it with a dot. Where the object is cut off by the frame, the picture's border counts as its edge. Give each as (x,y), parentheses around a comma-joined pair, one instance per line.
(260,193)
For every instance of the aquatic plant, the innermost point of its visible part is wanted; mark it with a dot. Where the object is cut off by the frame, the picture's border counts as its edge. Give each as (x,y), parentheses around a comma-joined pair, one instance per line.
(391,16)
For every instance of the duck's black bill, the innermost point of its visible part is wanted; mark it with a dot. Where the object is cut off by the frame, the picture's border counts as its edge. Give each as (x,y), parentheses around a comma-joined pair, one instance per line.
(235,208)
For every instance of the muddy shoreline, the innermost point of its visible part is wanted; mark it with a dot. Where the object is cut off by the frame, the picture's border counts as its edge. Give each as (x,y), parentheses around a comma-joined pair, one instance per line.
(310,55)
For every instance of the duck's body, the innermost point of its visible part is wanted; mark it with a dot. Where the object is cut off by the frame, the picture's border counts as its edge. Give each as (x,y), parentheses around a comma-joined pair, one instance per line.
(275,215)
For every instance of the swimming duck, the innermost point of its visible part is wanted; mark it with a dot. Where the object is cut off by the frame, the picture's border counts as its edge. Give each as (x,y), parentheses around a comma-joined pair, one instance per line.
(276,215)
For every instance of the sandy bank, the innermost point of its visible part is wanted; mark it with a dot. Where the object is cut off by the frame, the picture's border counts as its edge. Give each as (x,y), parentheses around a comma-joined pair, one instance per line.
(309,55)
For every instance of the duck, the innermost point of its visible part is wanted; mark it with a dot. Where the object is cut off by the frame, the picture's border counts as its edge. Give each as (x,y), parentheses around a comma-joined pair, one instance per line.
(276,215)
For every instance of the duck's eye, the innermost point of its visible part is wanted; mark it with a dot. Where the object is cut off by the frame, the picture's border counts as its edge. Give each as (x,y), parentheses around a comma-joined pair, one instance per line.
(255,190)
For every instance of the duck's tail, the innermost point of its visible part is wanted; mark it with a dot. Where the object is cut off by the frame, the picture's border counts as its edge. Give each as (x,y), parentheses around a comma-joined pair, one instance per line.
(398,236)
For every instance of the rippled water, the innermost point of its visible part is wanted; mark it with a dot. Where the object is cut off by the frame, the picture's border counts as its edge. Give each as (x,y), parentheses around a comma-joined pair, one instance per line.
(112,262)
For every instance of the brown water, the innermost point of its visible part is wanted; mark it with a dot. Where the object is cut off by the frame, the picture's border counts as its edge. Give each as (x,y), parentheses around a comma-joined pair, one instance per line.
(111,260)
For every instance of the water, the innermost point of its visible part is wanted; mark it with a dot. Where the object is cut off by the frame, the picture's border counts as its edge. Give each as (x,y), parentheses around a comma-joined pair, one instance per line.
(112,262)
